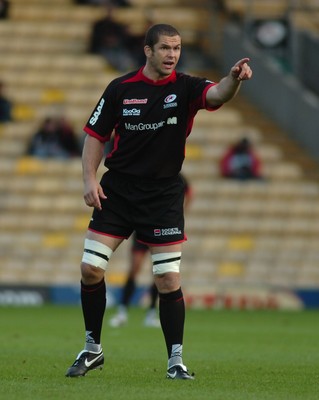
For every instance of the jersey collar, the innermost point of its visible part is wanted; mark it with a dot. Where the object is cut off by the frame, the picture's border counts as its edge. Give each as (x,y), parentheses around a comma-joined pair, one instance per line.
(141,77)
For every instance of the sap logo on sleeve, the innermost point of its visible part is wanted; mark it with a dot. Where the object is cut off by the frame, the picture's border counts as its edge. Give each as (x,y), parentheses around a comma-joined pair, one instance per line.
(97,112)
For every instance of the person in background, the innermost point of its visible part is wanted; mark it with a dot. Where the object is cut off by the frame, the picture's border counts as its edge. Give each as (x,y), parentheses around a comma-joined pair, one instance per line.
(68,138)
(5,106)
(4,9)
(241,162)
(139,252)
(113,41)
(55,138)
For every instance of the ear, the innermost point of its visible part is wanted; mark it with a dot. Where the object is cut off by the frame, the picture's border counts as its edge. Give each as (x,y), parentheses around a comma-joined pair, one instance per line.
(147,51)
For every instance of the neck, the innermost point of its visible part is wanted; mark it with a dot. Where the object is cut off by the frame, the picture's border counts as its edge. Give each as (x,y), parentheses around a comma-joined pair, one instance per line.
(151,74)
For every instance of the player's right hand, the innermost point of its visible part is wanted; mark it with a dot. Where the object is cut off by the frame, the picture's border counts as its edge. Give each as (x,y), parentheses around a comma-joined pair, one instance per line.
(93,194)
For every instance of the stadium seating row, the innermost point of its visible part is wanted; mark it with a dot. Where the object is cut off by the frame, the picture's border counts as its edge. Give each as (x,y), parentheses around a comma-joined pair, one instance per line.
(253,233)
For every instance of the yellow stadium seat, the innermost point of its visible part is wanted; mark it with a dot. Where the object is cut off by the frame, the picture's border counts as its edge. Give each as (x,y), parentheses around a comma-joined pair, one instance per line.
(55,240)
(193,152)
(81,222)
(23,112)
(241,242)
(116,278)
(29,165)
(53,95)
(231,269)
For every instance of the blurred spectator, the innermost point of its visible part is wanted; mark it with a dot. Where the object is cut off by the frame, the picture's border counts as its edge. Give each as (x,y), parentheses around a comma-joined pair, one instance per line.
(241,162)
(54,138)
(113,41)
(5,106)
(68,137)
(4,9)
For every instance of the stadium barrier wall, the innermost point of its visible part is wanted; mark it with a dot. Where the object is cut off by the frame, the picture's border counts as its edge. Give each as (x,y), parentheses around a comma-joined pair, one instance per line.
(234,298)
(276,92)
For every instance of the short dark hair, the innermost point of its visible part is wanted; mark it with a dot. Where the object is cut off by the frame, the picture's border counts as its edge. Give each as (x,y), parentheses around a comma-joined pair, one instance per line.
(155,31)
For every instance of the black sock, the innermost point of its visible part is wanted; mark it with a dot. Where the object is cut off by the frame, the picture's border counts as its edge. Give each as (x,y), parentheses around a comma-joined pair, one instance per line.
(172,317)
(153,295)
(93,298)
(128,291)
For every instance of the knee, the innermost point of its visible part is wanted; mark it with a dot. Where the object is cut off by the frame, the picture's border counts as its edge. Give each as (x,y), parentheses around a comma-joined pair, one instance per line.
(167,283)
(166,271)
(91,275)
(95,259)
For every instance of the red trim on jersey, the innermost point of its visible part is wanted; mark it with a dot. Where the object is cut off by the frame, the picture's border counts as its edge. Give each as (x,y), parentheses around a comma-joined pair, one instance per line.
(141,77)
(198,104)
(204,98)
(141,241)
(102,139)
(108,234)
(115,145)
(163,244)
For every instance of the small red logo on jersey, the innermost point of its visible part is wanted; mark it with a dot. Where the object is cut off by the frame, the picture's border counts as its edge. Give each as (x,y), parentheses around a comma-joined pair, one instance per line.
(134,101)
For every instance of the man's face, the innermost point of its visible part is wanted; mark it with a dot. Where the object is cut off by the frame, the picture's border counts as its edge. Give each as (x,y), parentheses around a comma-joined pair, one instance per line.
(164,56)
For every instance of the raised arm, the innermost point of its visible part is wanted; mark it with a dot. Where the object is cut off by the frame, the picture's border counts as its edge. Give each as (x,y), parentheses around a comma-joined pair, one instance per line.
(92,155)
(228,86)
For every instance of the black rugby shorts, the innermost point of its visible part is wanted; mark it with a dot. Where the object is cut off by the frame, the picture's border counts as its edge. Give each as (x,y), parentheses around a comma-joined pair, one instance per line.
(151,208)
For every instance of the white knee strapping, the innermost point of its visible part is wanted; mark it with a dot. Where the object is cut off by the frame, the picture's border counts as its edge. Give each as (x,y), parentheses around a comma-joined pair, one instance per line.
(166,262)
(96,254)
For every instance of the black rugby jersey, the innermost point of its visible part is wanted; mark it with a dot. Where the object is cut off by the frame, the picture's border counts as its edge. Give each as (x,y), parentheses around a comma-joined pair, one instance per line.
(151,121)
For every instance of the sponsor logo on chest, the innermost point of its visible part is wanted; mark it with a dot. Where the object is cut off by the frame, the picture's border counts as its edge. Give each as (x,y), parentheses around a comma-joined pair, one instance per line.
(169,101)
(132,112)
(135,101)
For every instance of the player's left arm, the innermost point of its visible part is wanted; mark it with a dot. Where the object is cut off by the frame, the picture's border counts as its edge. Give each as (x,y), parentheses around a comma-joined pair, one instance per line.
(228,86)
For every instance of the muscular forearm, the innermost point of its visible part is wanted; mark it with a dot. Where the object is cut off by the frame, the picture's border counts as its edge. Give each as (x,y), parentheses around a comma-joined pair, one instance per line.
(226,89)
(91,157)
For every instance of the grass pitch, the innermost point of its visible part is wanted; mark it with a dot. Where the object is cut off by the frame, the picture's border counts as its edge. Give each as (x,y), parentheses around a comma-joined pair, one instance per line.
(236,355)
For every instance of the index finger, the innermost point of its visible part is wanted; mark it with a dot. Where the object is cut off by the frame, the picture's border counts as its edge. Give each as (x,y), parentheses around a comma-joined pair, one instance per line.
(242,61)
